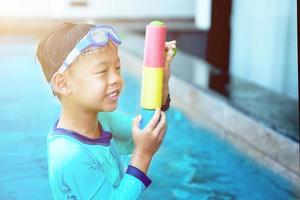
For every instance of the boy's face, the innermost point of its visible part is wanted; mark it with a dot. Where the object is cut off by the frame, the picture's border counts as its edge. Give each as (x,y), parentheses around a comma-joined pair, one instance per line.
(93,77)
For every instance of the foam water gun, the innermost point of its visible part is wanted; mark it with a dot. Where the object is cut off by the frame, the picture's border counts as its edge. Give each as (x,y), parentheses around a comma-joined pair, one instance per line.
(153,67)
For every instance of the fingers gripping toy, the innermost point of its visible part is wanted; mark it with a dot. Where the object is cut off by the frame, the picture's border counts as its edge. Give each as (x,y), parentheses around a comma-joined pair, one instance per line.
(153,67)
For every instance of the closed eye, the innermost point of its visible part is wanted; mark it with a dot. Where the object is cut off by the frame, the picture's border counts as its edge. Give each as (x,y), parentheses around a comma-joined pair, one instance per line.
(101,72)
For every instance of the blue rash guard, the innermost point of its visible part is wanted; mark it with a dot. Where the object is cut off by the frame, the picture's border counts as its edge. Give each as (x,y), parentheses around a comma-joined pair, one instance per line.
(83,168)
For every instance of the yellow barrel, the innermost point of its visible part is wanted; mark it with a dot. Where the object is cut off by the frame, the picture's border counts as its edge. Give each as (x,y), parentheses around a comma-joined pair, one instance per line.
(152,86)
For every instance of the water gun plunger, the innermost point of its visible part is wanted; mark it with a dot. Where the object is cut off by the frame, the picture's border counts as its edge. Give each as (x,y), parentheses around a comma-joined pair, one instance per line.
(153,67)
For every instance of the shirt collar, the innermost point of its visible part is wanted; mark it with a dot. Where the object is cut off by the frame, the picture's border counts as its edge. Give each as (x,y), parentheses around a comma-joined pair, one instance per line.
(103,140)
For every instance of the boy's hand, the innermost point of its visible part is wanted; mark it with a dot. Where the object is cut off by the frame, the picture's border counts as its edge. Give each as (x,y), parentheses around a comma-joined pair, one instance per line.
(148,140)
(170,51)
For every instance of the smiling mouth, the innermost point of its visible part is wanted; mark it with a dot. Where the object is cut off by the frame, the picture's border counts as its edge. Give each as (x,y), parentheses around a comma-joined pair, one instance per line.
(113,95)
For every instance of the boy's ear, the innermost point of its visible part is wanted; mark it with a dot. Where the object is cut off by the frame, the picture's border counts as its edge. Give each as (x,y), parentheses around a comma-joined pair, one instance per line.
(60,84)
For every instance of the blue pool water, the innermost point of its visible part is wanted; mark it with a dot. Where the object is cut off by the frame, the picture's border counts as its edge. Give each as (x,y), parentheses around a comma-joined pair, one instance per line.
(192,163)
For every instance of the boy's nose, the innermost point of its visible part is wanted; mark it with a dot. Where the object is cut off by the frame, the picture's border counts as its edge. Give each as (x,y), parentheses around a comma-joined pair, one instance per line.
(114,78)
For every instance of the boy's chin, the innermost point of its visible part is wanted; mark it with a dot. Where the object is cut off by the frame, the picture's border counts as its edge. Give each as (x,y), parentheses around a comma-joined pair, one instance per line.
(110,108)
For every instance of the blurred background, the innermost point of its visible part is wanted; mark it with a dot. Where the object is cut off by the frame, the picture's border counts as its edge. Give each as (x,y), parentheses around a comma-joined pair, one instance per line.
(258,38)
(237,61)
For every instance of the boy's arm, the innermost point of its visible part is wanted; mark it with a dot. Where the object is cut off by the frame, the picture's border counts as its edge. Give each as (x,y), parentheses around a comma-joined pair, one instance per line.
(120,125)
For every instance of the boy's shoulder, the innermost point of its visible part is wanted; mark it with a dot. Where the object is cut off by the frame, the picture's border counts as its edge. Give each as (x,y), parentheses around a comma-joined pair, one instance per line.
(66,153)
(61,146)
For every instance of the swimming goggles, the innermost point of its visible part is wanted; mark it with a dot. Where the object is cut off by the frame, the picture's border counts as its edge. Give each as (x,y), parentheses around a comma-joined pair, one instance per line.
(96,37)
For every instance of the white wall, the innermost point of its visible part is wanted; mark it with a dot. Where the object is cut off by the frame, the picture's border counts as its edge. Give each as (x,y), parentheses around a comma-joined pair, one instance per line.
(99,8)
(264,44)
(203,14)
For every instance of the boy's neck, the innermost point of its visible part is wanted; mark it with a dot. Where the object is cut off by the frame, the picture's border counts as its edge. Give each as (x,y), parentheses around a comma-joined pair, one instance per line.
(82,122)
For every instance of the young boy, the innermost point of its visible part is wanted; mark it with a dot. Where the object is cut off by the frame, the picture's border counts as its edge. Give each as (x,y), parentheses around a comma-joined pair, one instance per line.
(81,63)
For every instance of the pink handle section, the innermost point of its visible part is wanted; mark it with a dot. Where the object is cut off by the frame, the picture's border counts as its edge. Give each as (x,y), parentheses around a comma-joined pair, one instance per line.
(155,46)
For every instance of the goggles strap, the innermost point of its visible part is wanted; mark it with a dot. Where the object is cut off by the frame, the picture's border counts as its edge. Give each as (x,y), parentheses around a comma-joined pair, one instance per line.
(70,58)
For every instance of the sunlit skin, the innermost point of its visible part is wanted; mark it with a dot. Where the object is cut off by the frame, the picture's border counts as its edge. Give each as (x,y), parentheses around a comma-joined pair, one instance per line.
(84,86)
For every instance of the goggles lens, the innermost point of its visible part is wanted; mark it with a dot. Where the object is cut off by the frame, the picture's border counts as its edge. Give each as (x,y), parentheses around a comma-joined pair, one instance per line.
(101,34)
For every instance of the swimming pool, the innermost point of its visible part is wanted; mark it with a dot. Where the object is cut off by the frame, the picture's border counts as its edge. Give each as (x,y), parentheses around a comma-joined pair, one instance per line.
(192,163)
